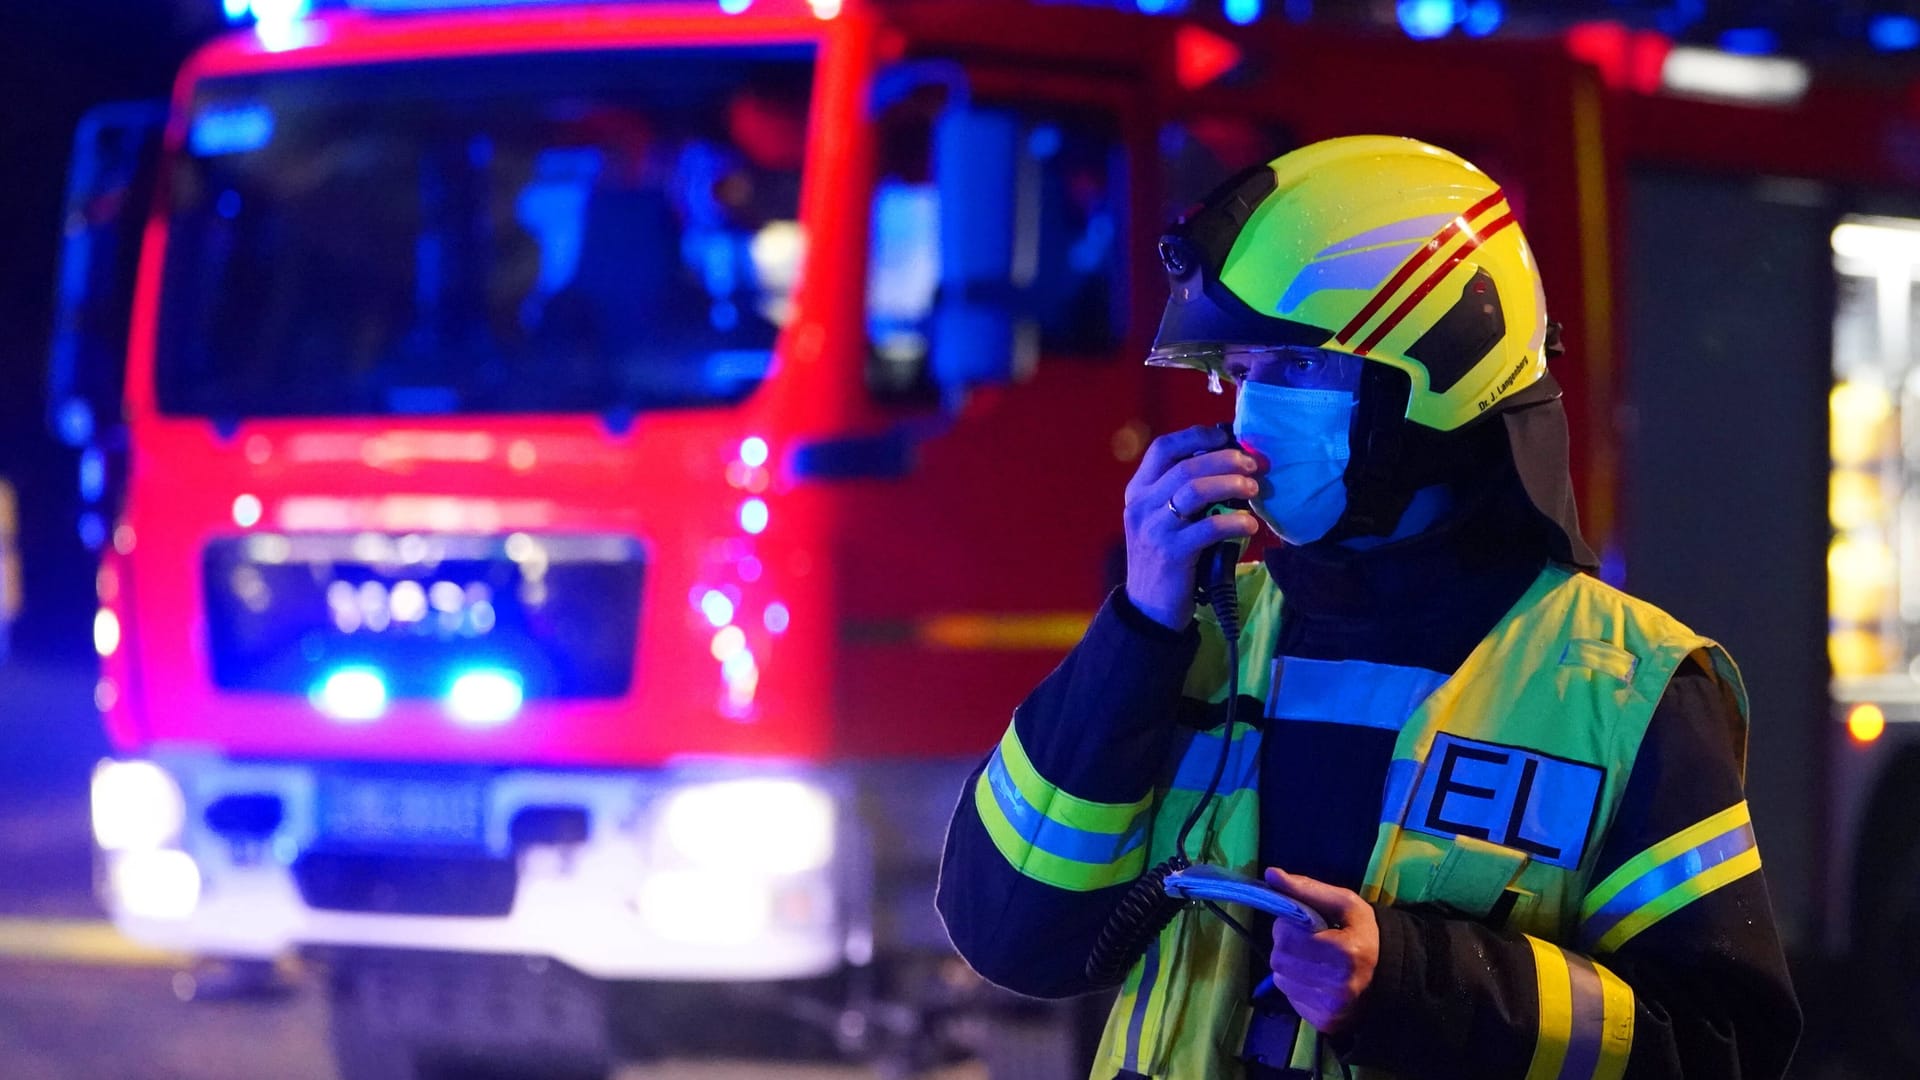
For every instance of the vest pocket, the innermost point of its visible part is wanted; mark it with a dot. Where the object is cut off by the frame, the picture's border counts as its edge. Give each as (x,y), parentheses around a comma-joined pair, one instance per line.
(1473,876)
(1601,656)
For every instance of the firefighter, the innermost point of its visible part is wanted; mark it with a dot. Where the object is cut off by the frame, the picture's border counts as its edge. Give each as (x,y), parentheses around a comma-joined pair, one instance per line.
(1513,792)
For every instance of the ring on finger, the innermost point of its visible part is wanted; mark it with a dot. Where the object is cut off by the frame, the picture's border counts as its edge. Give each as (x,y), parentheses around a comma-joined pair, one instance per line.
(1176,512)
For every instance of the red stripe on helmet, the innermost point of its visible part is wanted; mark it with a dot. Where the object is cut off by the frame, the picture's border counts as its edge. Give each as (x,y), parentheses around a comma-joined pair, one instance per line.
(1439,274)
(1415,262)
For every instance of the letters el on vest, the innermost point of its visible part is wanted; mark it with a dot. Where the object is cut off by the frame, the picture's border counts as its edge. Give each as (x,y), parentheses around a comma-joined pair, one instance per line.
(1502,786)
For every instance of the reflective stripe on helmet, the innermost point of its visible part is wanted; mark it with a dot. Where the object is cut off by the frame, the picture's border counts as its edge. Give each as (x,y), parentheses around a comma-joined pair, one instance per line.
(1416,261)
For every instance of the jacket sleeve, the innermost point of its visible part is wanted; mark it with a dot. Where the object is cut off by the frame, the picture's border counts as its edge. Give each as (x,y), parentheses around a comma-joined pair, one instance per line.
(1051,829)
(1677,971)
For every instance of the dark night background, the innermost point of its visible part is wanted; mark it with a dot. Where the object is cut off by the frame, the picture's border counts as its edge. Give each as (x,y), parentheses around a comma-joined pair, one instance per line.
(57,60)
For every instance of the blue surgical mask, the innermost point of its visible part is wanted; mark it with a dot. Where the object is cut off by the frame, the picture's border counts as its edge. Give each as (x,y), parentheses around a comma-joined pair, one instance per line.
(1302,434)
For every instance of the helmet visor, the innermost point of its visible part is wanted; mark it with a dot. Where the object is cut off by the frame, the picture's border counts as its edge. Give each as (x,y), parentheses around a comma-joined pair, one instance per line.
(1299,366)
(1208,356)
(1203,319)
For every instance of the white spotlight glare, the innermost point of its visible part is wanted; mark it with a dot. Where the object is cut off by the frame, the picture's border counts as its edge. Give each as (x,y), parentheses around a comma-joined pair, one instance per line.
(136,806)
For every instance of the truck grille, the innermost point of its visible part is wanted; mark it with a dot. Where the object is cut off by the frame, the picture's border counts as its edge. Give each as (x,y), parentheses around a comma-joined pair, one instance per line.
(406,882)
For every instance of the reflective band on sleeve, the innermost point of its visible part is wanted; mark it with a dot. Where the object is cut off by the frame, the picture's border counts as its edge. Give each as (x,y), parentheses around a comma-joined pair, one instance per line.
(1586,1018)
(1054,837)
(1082,845)
(1062,807)
(1667,877)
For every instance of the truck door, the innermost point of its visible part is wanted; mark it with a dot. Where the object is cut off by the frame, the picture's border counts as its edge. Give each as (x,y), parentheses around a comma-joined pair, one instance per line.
(109,194)
(983,559)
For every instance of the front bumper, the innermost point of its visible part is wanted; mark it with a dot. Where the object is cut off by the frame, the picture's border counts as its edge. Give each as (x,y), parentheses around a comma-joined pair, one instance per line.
(620,891)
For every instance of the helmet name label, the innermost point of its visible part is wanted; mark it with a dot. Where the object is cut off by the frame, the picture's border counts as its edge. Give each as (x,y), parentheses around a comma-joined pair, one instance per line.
(1506,384)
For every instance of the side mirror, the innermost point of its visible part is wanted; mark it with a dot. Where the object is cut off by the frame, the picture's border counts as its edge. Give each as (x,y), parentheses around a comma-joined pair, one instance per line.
(109,194)
(978,334)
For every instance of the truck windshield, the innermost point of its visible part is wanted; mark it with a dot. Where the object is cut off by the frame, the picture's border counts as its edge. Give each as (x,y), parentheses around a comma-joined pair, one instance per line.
(580,232)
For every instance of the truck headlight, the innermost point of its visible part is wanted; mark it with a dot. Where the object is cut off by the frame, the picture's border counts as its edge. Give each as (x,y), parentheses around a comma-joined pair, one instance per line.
(706,907)
(763,826)
(156,884)
(136,806)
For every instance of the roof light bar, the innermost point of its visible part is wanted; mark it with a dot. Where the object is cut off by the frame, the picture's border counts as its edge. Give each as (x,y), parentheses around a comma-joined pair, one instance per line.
(1724,76)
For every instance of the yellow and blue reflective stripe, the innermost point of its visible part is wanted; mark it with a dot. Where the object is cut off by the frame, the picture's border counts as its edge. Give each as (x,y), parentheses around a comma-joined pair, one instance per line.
(1667,877)
(1203,756)
(1358,693)
(1586,1018)
(1142,998)
(1052,836)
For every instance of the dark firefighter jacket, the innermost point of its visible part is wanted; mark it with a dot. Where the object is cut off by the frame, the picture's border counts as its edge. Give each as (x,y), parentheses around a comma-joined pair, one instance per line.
(1451,996)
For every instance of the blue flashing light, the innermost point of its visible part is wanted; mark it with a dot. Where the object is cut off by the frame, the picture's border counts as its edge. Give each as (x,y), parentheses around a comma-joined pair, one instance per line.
(1242,12)
(93,530)
(234,130)
(75,421)
(352,695)
(716,607)
(235,10)
(753,516)
(93,474)
(1894,33)
(1155,7)
(1679,16)
(275,20)
(487,697)
(1750,40)
(735,7)
(280,25)
(1428,19)
(1483,17)
(1044,141)
(278,11)
(753,451)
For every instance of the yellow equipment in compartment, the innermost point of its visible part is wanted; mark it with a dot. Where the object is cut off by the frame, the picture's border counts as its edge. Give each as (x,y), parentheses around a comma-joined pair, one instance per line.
(10,581)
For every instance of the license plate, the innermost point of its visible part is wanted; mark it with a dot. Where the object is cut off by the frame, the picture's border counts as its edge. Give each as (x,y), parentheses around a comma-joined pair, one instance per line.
(392,810)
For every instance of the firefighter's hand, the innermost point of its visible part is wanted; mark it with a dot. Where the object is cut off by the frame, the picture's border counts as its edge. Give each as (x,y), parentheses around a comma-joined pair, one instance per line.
(1165,530)
(1324,974)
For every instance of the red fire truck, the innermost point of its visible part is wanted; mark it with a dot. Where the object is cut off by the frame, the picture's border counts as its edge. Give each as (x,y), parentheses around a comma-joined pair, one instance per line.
(580,485)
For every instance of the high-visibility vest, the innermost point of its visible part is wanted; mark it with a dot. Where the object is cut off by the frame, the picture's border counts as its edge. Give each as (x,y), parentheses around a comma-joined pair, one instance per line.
(1502,785)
